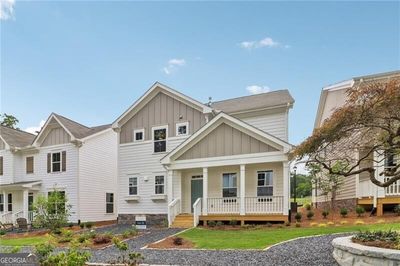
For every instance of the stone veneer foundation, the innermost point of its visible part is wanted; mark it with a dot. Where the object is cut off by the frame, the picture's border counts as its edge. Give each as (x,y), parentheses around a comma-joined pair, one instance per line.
(151,219)
(350,204)
(347,253)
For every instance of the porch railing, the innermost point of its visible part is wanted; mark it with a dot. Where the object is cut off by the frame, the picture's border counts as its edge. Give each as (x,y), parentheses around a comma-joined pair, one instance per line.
(7,218)
(196,212)
(393,189)
(260,205)
(228,205)
(174,208)
(31,216)
(18,214)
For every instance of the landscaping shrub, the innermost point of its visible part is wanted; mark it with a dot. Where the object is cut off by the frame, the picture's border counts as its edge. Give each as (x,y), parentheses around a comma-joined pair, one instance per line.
(298,224)
(310,215)
(64,239)
(102,239)
(344,222)
(298,217)
(178,241)
(396,209)
(70,225)
(358,222)
(12,250)
(287,223)
(330,223)
(325,213)
(121,245)
(211,223)
(233,222)
(219,223)
(66,233)
(343,212)
(82,238)
(57,231)
(82,225)
(268,224)
(360,211)
(2,232)
(307,206)
(72,256)
(89,225)
(379,238)
(43,250)
(129,232)
(280,226)
(313,224)
(322,225)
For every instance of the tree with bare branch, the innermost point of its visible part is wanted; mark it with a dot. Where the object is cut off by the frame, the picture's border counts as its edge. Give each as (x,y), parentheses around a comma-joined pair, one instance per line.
(363,134)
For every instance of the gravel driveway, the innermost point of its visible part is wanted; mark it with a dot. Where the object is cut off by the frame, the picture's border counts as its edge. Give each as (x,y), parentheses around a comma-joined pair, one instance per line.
(305,251)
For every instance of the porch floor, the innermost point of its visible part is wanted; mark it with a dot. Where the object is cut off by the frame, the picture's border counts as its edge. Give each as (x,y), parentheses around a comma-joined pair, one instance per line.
(245,218)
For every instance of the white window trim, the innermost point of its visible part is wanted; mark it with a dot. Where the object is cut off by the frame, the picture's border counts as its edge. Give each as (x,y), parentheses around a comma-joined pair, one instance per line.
(166,137)
(137,186)
(163,184)
(138,131)
(60,152)
(229,187)
(179,125)
(272,181)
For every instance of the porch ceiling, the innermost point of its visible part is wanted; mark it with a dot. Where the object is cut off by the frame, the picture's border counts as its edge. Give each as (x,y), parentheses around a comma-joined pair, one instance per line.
(21,185)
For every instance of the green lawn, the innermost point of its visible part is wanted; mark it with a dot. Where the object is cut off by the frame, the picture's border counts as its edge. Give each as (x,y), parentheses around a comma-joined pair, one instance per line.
(23,241)
(262,238)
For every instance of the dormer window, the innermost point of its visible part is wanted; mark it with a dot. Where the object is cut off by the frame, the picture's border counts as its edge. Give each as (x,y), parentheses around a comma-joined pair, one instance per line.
(138,135)
(182,129)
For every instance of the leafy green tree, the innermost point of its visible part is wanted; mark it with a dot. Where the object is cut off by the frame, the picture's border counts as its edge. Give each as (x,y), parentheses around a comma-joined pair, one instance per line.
(8,120)
(303,185)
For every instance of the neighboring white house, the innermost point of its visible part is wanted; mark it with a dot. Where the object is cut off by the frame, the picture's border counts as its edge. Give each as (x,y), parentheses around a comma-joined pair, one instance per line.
(184,161)
(357,189)
(79,161)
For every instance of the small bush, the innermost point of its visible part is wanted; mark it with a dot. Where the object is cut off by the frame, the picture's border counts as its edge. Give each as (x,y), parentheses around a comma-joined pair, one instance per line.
(287,223)
(178,241)
(71,257)
(298,217)
(322,225)
(211,223)
(396,209)
(343,212)
(2,232)
(330,223)
(360,211)
(268,224)
(66,233)
(310,215)
(82,225)
(64,239)
(380,221)
(233,222)
(12,250)
(43,250)
(83,237)
(57,231)
(307,206)
(358,222)
(121,245)
(219,223)
(280,226)
(325,213)
(313,224)
(102,239)
(344,222)
(298,224)
(89,225)
(70,225)
(379,235)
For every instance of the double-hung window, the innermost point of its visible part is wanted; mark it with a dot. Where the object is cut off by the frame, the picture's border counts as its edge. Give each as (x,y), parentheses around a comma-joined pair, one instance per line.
(229,185)
(159,184)
(58,201)
(29,165)
(56,162)
(1,202)
(138,135)
(182,129)
(133,186)
(109,202)
(9,202)
(160,139)
(264,183)
(390,160)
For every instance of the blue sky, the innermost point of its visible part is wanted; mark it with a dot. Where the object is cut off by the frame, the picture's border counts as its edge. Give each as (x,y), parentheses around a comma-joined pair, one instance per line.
(90,60)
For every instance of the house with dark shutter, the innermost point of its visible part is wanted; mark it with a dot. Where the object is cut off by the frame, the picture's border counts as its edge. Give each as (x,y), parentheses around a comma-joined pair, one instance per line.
(78,161)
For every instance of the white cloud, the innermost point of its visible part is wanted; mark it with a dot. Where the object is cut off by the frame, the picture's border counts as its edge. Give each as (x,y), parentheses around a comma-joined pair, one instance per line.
(35,129)
(6,9)
(266,42)
(255,89)
(173,64)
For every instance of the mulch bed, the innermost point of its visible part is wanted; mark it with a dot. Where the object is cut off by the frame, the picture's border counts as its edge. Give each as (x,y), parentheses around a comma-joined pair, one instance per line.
(168,243)
(378,244)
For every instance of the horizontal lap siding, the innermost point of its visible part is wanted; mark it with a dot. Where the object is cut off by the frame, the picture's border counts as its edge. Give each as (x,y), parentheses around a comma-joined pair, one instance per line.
(274,124)
(139,160)
(98,176)
(8,167)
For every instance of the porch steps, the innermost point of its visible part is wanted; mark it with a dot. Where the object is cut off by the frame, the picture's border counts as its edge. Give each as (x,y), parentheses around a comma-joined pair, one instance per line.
(183,221)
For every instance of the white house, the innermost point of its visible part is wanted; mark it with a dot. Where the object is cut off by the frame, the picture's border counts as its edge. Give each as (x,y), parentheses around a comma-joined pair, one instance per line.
(184,161)
(77,160)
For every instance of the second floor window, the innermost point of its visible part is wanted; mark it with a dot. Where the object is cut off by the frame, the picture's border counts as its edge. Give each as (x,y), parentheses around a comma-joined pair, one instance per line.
(56,162)
(160,139)
(159,184)
(133,186)
(29,165)
(1,165)
(182,129)
(138,135)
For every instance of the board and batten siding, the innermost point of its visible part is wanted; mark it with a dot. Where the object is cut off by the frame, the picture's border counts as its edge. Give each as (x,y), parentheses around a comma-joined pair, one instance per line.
(98,176)
(224,141)
(215,181)
(56,136)
(159,111)
(138,160)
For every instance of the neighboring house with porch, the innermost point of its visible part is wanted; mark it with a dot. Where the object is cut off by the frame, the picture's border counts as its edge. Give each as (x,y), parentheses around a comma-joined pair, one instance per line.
(78,161)
(184,161)
(357,189)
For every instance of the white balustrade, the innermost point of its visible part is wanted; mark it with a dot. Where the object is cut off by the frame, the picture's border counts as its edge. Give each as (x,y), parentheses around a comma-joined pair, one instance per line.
(196,212)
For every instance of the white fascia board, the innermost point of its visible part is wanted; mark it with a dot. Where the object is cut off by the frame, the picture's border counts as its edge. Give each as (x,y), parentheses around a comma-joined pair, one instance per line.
(254,158)
(171,92)
(340,85)
(7,147)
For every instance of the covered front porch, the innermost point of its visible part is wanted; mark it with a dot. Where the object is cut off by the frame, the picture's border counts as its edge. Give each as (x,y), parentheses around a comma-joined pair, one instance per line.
(245,192)
(16,201)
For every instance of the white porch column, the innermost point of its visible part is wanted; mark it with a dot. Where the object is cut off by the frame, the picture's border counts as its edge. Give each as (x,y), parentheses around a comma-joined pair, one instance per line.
(205,190)
(170,181)
(242,189)
(286,181)
(25,194)
(5,199)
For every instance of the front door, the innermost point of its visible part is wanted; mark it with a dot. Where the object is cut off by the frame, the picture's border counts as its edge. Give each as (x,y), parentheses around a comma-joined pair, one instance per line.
(197,190)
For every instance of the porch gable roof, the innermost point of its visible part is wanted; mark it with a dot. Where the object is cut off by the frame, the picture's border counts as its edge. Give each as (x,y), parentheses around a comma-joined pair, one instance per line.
(235,123)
